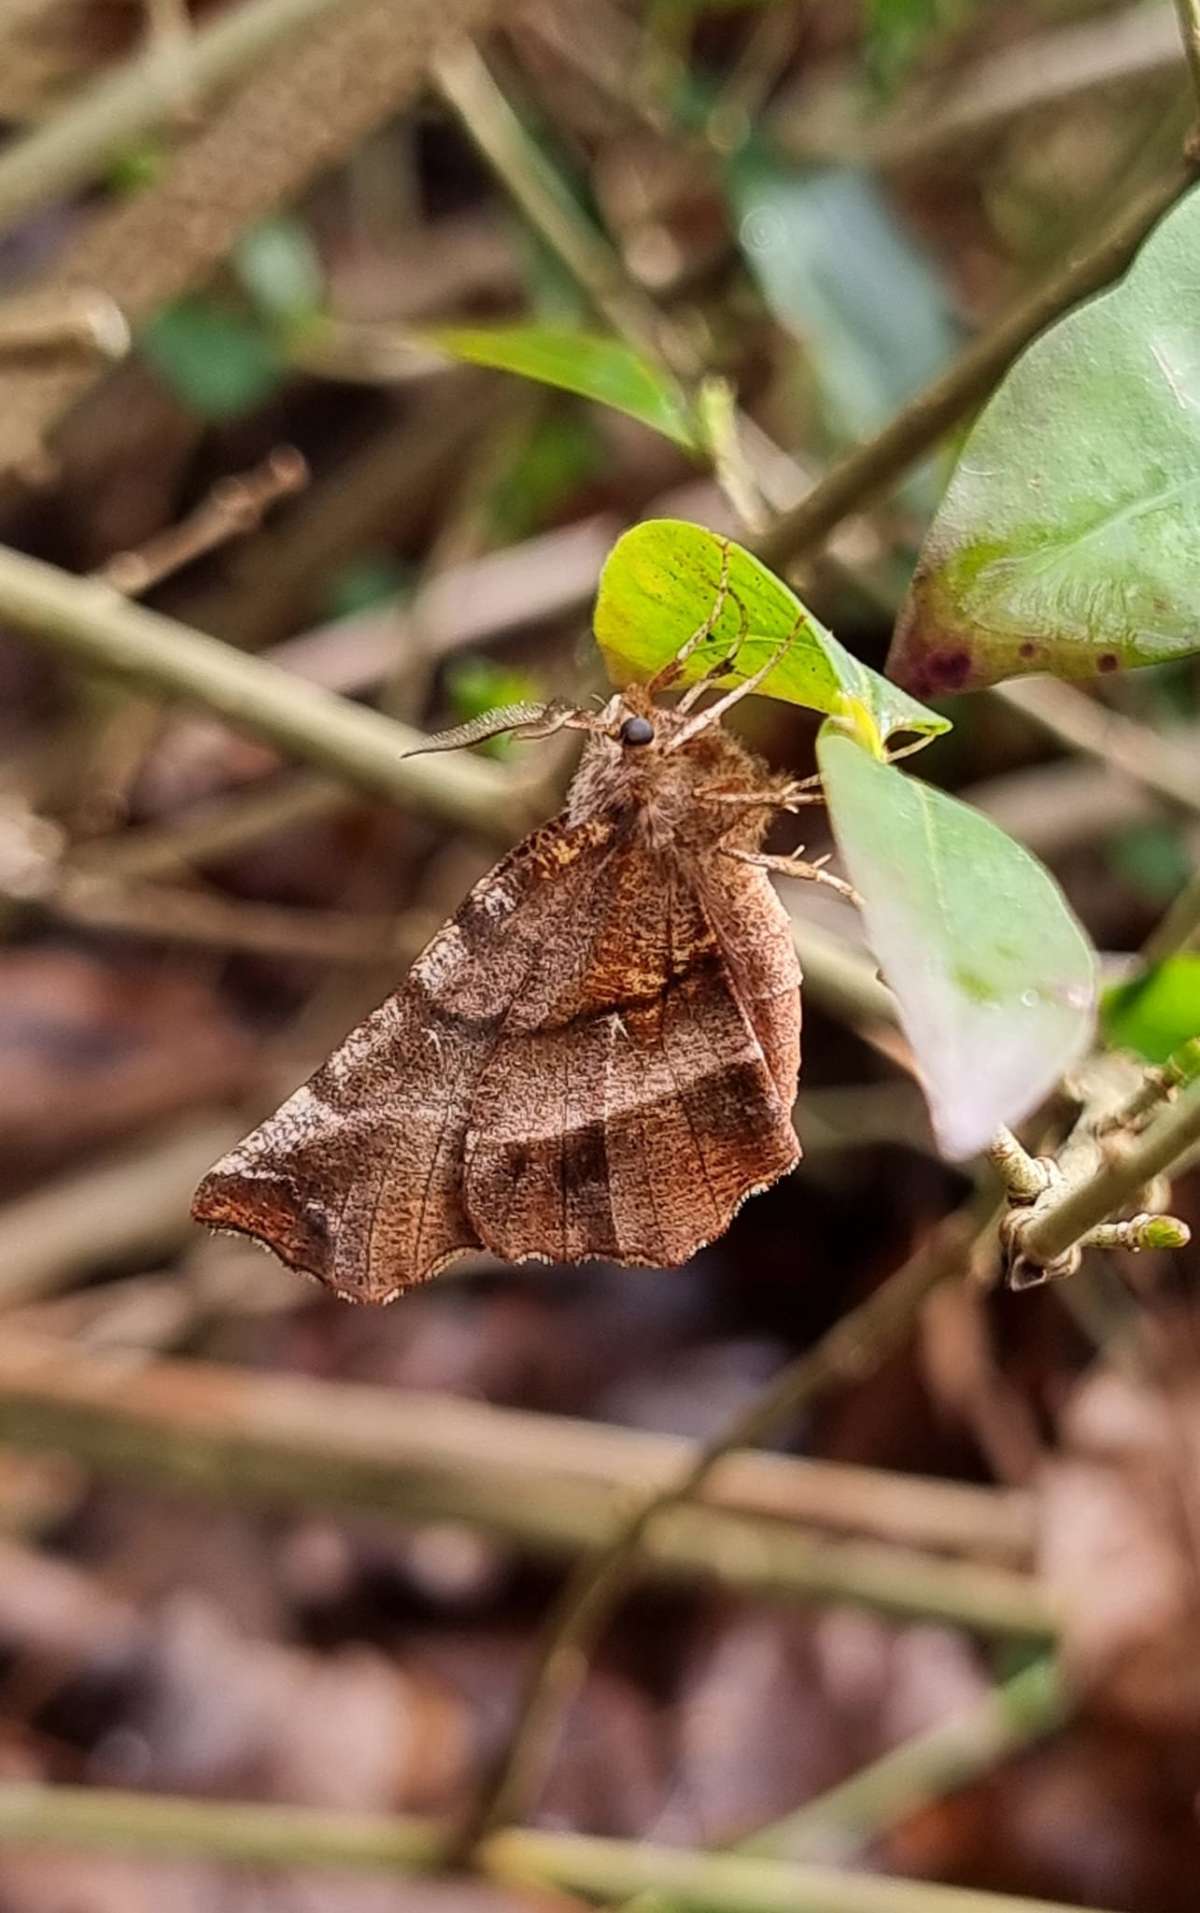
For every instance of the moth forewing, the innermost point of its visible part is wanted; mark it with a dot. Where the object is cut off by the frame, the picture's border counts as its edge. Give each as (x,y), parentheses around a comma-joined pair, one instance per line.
(595,1058)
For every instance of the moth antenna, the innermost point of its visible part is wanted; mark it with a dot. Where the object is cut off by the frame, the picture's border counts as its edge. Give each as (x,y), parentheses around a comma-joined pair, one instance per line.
(521,720)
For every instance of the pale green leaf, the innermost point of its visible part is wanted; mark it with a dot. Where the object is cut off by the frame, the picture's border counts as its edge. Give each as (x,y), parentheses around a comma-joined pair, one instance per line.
(995,980)
(663,580)
(1068,539)
(604,370)
(839,272)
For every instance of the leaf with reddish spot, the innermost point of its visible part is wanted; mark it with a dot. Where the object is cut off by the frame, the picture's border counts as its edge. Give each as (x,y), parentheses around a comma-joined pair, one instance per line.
(1067,538)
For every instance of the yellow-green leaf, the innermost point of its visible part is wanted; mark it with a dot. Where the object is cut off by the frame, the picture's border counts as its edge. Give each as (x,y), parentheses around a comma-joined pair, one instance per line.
(665,579)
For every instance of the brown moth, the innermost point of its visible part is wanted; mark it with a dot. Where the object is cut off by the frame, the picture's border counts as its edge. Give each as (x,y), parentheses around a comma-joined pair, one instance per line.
(595,1058)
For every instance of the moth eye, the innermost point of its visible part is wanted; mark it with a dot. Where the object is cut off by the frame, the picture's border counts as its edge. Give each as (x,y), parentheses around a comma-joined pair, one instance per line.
(637,730)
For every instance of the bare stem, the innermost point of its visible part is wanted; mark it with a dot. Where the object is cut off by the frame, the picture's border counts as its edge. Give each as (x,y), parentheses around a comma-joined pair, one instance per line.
(942,1760)
(1179,928)
(221,1433)
(293,116)
(852,1348)
(1189,28)
(1164,764)
(91,623)
(465,82)
(1051,1232)
(869,468)
(1022,1174)
(260,1835)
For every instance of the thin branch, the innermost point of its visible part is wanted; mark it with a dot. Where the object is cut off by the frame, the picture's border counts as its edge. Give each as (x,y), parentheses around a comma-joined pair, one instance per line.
(1189,29)
(233,508)
(128,1204)
(854,1347)
(222,1433)
(943,1760)
(870,468)
(1167,765)
(93,625)
(463,78)
(935,122)
(260,1835)
(1051,1232)
(206,919)
(1023,1175)
(1178,929)
(209,829)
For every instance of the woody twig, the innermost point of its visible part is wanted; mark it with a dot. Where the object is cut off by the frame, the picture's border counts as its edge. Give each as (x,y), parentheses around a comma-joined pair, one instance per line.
(852,1348)
(87,621)
(218,1432)
(1108,1164)
(234,507)
(99,1820)
(867,470)
(72,147)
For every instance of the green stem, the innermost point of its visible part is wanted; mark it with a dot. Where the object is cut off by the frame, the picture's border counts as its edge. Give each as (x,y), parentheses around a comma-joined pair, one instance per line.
(870,468)
(1177,930)
(260,1835)
(925,1769)
(1189,28)
(89,622)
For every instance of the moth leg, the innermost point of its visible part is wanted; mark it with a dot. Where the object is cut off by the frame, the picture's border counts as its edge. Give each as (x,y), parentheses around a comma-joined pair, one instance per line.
(789,796)
(798,866)
(705,720)
(667,674)
(719,665)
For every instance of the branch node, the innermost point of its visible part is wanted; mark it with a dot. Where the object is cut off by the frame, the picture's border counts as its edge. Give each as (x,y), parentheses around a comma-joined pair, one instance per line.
(1025,1177)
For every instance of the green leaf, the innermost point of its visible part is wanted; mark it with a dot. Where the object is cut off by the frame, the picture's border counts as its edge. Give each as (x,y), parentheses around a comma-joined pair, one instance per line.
(280,268)
(662,581)
(899,32)
(1155,1014)
(604,370)
(218,363)
(995,980)
(1067,539)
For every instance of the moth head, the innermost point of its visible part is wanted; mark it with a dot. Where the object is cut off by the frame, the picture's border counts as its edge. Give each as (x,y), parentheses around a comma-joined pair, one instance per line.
(630,721)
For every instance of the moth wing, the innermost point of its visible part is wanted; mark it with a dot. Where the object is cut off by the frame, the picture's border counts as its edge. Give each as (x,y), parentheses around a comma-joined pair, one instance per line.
(755,935)
(628,1108)
(357,1178)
